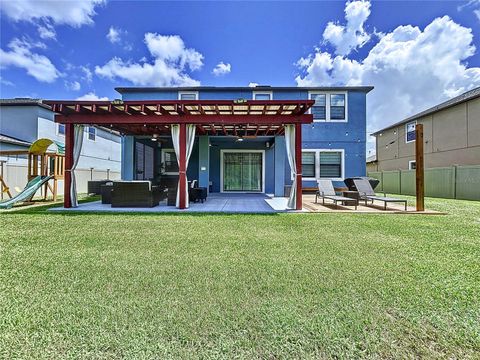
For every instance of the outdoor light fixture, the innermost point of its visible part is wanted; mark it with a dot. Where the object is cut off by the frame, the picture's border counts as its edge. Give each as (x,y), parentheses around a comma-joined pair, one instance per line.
(154,137)
(239,139)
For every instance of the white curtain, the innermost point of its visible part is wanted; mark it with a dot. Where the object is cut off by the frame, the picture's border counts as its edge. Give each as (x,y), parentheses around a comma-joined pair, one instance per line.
(176,145)
(77,149)
(290,145)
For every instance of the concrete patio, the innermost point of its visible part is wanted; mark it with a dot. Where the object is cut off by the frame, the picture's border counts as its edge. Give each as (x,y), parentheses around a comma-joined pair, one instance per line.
(237,203)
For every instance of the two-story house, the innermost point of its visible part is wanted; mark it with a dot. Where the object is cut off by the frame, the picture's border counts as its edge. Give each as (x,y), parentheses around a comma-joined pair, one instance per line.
(24,120)
(249,160)
(451,136)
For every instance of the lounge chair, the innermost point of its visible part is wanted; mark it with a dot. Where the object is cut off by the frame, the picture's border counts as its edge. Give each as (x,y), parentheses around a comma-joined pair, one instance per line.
(366,193)
(326,191)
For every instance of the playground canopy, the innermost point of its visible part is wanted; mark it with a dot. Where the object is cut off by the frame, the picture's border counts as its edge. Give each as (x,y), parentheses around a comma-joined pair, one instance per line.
(41,146)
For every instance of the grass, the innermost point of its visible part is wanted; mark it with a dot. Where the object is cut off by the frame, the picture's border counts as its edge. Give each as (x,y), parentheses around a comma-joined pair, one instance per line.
(244,286)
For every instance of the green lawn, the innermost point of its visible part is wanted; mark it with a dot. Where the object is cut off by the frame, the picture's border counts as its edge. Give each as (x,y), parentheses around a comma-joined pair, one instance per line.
(244,286)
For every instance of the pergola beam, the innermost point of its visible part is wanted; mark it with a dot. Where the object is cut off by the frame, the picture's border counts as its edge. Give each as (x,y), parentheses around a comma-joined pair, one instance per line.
(103,119)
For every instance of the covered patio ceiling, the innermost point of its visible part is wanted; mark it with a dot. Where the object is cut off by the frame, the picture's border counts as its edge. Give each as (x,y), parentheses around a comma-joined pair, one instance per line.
(245,118)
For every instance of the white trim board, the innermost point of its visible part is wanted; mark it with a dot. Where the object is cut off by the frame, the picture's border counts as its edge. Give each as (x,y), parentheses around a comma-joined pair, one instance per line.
(260,92)
(222,151)
(317,164)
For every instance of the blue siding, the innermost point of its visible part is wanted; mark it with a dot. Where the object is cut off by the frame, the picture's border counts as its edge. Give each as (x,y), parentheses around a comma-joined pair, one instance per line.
(349,136)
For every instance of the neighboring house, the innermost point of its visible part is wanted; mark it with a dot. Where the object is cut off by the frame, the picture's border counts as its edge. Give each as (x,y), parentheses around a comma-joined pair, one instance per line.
(372,164)
(451,136)
(22,121)
(333,145)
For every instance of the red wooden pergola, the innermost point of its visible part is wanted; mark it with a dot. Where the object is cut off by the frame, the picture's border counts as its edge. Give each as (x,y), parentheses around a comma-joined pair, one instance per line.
(241,118)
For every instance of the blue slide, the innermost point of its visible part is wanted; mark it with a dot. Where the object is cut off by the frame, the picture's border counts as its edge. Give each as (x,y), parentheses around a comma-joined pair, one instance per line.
(27,193)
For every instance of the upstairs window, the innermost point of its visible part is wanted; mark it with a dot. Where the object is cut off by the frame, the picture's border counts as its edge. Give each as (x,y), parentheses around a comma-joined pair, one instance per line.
(61,129)
(331,164)
(262,96)
(410,131)
(192,95)
(337,106)
(308,164)
(329,106)
(92,133)
(319,109)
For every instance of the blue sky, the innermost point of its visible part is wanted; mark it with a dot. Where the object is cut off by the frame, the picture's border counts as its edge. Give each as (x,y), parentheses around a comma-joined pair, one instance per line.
(414,53)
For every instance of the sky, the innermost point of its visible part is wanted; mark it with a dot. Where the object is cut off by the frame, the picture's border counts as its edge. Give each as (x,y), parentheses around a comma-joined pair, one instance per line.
(415,53)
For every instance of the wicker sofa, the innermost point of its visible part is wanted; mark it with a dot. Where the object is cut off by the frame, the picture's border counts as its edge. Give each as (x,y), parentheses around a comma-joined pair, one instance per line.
(135,194)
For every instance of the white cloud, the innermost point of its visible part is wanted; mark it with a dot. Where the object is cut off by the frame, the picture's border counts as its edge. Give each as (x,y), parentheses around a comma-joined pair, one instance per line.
(477,13)
(346,38)
(171,60)
(222,69)
(72,85)
(87,73)
(6,82)
(252,84)
(92,96)
(411,69)
(70,12)
(21,55)
(46,31)
(113,35)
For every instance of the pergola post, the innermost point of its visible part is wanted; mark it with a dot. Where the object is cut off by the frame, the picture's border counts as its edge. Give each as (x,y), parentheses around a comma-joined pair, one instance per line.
(67,182)
(298,164)
(182,166)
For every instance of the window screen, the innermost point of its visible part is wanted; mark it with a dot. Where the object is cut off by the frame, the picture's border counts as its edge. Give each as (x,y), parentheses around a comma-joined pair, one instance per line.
(331,164)
(319,109)
(337,107)
(308,164)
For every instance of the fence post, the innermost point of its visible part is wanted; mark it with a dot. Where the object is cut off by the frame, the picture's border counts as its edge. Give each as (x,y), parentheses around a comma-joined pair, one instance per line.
(400,181)
(454,182)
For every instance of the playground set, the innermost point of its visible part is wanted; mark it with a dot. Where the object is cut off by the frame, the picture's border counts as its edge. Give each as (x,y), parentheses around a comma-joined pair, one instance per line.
(45,168)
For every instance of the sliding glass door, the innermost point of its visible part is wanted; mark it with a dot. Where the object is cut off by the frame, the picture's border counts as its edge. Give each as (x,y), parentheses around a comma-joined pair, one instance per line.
(242,171)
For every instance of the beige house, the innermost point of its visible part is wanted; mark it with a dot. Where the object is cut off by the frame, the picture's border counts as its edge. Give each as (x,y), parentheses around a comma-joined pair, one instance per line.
(451,135)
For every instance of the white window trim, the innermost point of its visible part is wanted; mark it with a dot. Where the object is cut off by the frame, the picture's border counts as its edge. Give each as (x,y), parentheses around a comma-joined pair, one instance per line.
(406,131)
(180,93)
(327,102)
(410,162)
(223,151)
(88,133)
(317,164)
(270,93)
(58,131)
(163,160)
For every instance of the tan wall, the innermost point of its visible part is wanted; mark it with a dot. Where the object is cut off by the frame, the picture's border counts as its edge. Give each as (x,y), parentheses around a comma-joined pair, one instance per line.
(452,137)
(16,178)
(473,114)
(372,166)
